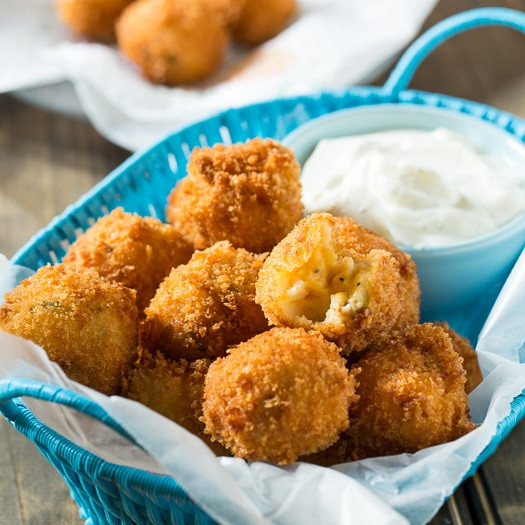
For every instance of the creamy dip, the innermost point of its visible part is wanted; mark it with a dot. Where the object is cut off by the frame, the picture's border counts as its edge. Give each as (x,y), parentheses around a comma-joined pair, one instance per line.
(417,188)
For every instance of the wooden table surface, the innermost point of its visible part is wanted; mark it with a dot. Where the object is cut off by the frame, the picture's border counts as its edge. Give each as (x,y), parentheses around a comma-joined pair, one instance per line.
(48,160)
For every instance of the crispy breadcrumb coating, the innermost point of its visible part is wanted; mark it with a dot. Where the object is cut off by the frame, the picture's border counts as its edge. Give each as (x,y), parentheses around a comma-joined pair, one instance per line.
(172,42)
(282,394)
(412,395)
(135,251)
(261,20)
(172,388)
(85,324)
(470,357)
(205,306)
(332,275)
(248,194)
(93,19)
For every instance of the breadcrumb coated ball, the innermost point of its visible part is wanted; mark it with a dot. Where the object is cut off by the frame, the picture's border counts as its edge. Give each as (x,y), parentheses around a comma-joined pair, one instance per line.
(205,306)
(282,394)
(135,251)
(248,194)
(85,324)
(470,357)
(173,388)
(172,41)
(261,20)
(332,275)
(93,19)
(412,395)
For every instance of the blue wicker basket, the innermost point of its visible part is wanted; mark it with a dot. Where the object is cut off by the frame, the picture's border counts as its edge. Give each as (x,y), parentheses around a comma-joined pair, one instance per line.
(108,493)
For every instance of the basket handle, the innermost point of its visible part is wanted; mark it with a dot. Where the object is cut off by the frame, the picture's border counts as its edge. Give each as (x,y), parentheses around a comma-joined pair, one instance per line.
(13,388)
(405,68)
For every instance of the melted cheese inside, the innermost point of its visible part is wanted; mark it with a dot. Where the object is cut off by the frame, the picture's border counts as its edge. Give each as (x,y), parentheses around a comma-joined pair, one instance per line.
(327,287)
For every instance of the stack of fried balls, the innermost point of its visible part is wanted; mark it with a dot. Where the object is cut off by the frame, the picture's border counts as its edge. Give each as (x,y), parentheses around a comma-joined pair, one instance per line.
(270,335)
(176,42)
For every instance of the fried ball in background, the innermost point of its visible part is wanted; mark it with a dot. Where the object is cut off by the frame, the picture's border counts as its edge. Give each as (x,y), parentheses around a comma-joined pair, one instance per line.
(332,275)
(282,394)
(172,388)
(228,10)
(411,391)
(135,251)
(248,194)
(92,19)
(470,357)
(261,20)
(85,324)
(205,306)
(172,42)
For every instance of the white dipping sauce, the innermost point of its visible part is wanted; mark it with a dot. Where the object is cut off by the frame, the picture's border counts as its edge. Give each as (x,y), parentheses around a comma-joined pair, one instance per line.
(417,188)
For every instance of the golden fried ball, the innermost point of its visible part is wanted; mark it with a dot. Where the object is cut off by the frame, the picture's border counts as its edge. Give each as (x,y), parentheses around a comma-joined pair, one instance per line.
(228,10)
(205,306)
(93,19)
(172,388)
(470,357)
(332,275)
(85,324)
(412,395)
(134,251)
(261,20)
(248,194)
(172,41)
(282,394)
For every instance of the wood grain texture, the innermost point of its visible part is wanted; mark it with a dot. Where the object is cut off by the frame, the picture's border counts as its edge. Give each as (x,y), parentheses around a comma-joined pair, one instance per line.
(48,160)
(504,474)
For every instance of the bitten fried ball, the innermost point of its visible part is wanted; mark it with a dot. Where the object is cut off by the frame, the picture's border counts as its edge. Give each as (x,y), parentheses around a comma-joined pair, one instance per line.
(248,194)
(411,395)
(135,251)
(93,19)
(85,324)
(282,394)
(172,388)
(205,306)
(172,42)
(261,20)
(470,357)
(332,275)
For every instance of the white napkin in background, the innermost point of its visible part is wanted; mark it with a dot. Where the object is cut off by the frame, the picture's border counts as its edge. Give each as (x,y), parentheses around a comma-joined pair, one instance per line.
(332,44)
(395,490)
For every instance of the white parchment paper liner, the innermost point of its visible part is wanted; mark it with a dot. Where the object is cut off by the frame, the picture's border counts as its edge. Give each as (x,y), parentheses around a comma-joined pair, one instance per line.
(332,44)
(408,488)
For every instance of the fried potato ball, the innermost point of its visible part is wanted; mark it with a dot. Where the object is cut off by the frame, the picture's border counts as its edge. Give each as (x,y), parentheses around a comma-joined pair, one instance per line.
(85,324)
(261,20)
(248,194)
(411,391)
(172,42)
(172,388)
(332,275)
(228,10)
(282,394)
(135,251)
(93,19)
(470,357)
(205,306)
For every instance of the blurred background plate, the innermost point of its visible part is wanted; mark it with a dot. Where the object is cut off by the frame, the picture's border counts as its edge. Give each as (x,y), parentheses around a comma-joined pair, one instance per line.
(60,97)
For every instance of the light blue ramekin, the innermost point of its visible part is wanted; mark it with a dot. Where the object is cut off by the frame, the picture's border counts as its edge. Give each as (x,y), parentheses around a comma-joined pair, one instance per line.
(451,276)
